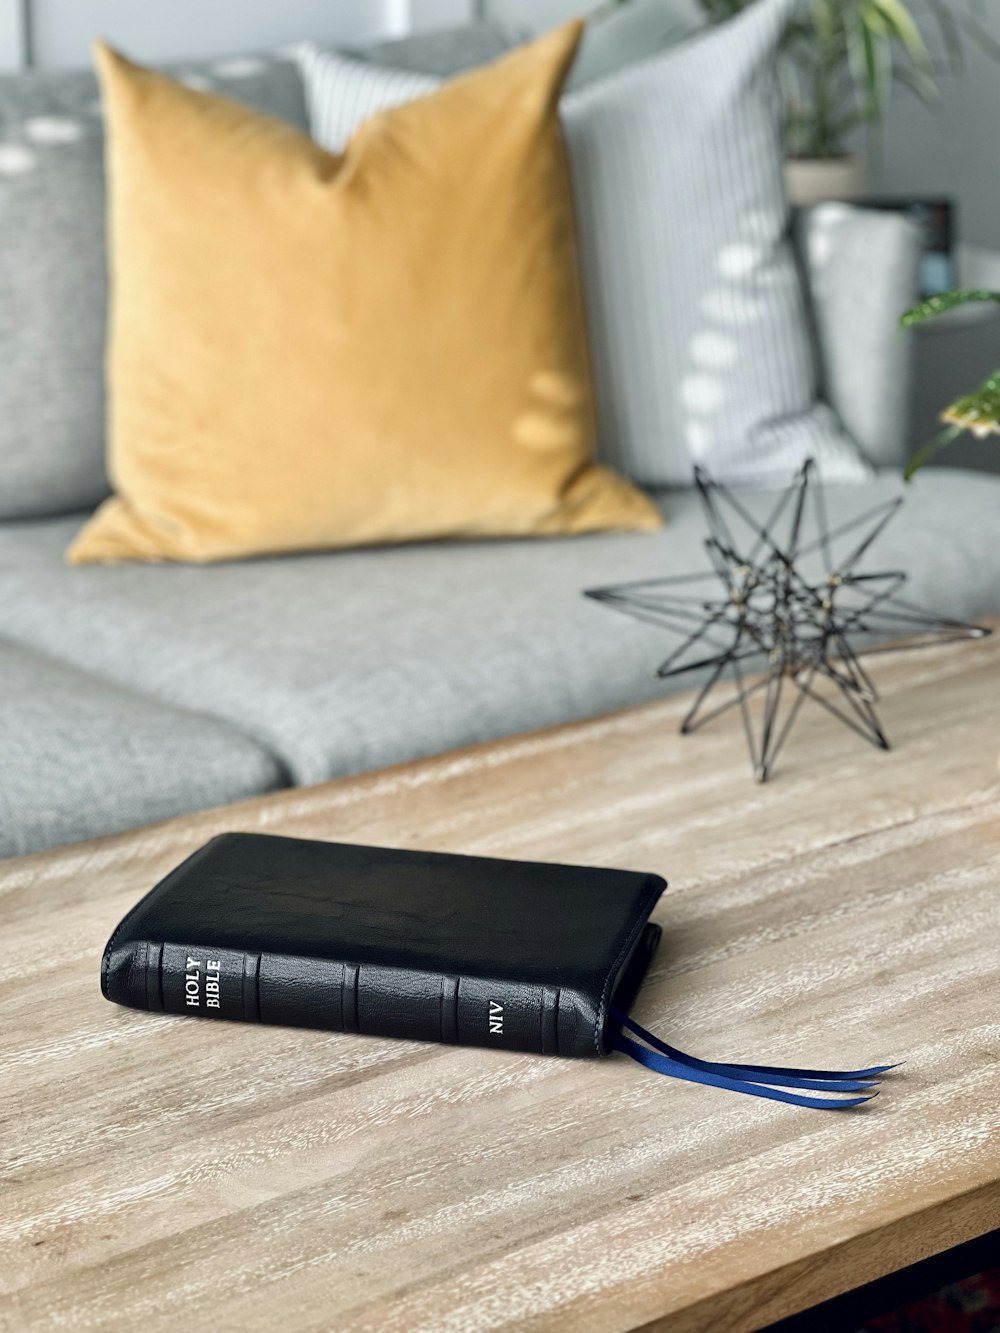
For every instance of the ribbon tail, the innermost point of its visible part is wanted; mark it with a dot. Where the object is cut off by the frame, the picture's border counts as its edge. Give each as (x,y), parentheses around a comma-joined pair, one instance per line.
(662,1064)
(811,1080)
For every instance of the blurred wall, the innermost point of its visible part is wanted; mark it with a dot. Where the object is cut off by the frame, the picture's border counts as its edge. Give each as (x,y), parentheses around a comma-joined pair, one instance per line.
(10,34)
(56,33)
(954,148)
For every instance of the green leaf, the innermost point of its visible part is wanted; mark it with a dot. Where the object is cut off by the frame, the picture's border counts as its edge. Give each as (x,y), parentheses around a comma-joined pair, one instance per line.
(905,28)
(879,38)
(931,448)
(867,63)
(918,82)
(940,305)
(839,60)
(978,412)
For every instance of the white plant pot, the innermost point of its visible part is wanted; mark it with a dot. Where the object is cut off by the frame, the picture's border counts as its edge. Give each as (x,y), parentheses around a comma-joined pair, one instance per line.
(815,180)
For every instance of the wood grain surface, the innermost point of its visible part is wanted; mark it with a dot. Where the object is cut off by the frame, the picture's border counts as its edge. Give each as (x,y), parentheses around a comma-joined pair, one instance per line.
(161,1173)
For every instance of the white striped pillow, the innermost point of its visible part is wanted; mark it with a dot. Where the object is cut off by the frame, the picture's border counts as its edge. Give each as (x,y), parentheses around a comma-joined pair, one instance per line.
(699,329)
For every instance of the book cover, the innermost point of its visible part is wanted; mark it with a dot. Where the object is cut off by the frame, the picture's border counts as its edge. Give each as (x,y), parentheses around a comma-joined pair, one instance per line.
(422,945)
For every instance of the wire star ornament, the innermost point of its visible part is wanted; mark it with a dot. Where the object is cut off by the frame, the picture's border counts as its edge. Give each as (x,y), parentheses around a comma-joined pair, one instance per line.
(794,597)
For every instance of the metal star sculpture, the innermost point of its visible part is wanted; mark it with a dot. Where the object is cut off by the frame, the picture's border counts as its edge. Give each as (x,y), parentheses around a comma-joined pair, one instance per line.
(790,606)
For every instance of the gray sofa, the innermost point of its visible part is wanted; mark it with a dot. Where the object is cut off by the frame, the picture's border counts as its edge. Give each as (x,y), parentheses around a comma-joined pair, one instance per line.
(134,693)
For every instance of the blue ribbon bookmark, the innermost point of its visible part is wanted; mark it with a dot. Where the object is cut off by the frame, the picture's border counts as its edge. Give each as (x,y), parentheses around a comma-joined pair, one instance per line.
(754,1080)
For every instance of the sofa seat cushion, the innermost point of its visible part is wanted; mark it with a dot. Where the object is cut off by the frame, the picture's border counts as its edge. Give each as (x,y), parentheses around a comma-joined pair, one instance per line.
(348,661)
(82,757)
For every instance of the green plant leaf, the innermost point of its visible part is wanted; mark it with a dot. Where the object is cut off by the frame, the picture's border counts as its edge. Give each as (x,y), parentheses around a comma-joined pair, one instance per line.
(906,30)
(940,305)
(931,448)
(918,82)
(841,58)
(866,58)
(878,35)
(978,412)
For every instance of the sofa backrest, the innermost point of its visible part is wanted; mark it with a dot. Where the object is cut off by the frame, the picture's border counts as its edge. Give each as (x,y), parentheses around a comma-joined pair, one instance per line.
(861,271)
(53,278)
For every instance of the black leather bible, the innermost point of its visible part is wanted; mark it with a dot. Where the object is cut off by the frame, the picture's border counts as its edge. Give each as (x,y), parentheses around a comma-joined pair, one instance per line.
(423,945)
(460,949)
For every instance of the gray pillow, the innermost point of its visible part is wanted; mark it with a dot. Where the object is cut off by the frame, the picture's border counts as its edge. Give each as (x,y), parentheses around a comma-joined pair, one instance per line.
(702,347)
(53,277)
(863,268)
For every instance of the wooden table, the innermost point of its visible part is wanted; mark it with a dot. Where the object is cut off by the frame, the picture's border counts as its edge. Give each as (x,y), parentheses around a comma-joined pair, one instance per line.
(160,1173)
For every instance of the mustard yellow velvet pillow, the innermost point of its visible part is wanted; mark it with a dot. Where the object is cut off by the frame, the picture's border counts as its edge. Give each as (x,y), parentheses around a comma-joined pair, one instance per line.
(310,350)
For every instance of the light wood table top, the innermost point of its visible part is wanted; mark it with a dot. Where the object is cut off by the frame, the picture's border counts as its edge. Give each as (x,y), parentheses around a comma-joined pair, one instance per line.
(160,1173)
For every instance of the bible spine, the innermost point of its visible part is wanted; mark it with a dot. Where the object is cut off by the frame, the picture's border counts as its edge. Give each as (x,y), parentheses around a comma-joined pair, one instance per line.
(207,982)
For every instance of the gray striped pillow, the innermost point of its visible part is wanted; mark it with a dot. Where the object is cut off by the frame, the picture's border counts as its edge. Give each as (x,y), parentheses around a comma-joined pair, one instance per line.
(700,334)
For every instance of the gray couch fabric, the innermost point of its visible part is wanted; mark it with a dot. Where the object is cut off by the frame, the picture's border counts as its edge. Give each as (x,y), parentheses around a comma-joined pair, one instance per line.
(862,269)
(82,757)
(342,662)
(53,280)
(141,692)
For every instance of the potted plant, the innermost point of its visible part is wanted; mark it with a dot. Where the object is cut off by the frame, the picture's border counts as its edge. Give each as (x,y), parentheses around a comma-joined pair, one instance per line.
(840,60)
(977,412)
